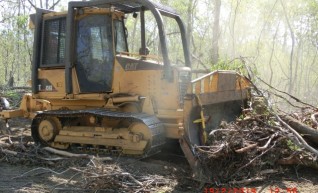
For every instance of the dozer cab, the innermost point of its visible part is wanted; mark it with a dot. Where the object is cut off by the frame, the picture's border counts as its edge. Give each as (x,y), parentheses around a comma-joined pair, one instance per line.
(90,91)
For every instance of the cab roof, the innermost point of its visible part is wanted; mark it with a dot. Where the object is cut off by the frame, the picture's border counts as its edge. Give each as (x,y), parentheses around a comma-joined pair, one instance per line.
(127,6)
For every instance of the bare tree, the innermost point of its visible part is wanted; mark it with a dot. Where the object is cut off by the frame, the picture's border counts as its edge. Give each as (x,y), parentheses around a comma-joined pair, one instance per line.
(46,5)
(190,18)
(232,26)
(216,31)
(291,56)
(271,55)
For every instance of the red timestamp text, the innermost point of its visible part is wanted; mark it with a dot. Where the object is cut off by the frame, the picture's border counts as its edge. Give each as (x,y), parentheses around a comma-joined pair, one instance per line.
(249,190)
(229,190)
(283,190)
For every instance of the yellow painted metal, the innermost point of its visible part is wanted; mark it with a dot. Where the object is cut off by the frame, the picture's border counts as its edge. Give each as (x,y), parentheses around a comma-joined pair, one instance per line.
(162,99)
(56,77)
(204,135)
(89,11)
(142,130)
(126,99)
(156,58)
(148,83)
(214,81)
(60,145)
(132,140)
(54,14)
(123,143)
(173,131)
(98,132)
(48,129)
(7,114)
(206,82)
(198,87)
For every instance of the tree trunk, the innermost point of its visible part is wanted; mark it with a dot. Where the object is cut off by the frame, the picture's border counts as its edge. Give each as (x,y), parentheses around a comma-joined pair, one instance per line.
(300,127)
(271,56)
(291,57)
(190,21)
(297,74)
(216,32)
(232,27)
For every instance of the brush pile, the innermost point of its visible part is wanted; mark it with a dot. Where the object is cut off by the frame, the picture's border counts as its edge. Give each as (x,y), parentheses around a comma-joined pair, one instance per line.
(119,177)
(89,172)
(257,144)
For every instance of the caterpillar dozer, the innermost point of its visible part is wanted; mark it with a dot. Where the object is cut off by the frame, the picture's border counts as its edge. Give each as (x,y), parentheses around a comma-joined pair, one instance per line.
(90,91)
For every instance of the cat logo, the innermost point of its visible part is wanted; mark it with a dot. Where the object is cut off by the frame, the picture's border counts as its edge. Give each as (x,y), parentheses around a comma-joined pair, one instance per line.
(131,66)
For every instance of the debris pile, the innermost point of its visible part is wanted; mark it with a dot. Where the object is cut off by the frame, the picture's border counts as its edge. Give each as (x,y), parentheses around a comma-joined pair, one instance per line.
(252,148)
(255,146)
(87,171)
(98,175)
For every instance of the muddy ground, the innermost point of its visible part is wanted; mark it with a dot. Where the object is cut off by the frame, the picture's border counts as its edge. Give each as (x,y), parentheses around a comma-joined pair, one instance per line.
(29,171)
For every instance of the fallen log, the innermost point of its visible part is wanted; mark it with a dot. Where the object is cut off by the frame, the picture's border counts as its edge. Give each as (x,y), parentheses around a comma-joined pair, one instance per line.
(5,145)
(299,139)
(6,151)
(73,155)
(247,181)
(299,160)
(309,132)
(313,118)
(64,153)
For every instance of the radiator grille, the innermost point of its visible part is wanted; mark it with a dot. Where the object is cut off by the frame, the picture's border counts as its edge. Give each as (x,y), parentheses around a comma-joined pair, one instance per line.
(184,80)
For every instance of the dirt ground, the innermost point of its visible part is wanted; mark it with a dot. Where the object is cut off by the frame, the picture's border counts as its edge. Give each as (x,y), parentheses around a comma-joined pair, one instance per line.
(165,172)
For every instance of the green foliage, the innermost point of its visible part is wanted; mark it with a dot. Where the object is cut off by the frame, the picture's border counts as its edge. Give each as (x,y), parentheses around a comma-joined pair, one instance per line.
(292,146)
(235,64)
(22,21)
(16,41)
(14,97)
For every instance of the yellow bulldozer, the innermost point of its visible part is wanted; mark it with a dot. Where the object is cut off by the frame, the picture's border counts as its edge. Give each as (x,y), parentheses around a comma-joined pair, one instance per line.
(90,91)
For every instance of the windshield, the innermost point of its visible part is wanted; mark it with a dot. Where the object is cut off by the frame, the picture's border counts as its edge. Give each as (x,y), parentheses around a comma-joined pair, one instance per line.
(94,53)
(120,37)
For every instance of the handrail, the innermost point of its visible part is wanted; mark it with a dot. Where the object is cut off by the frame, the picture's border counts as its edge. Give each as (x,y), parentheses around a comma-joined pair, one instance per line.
(209,74)
(209,82)
(154,57)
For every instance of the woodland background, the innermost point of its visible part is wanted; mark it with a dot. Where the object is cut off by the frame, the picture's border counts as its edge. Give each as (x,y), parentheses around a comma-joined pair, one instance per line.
(278,39)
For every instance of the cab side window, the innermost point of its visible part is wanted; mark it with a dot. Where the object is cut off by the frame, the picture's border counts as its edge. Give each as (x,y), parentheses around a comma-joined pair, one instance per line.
(53,43)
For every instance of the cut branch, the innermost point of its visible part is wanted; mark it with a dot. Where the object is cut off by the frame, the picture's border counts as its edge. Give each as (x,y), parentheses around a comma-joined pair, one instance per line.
(314,119)
(64,153)
(245,149)
(299,137)
(302,128)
